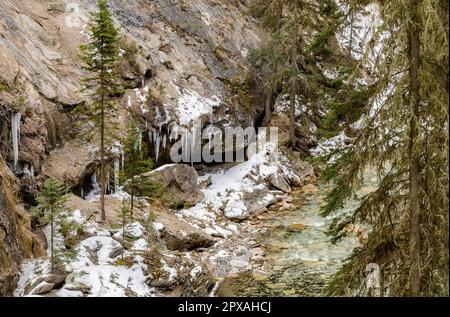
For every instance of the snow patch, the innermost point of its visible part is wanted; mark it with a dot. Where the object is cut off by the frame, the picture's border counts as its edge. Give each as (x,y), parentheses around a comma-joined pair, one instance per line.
(191,105)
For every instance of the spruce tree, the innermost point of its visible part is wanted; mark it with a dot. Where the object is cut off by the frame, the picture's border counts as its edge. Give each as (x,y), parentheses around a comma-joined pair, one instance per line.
(50,206)
(271,14)
(100,57)
(135,161)
(299,37)
(405,140)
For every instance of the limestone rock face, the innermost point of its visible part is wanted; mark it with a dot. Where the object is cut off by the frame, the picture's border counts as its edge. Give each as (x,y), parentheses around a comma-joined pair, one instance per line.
(179,182)
(70,164)
(17,241)
(180,53)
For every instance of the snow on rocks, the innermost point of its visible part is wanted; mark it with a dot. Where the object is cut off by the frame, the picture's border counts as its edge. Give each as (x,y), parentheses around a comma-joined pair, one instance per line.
(327,147)
(31,271)
(191,105)
(101,266)
(241,191)
(133,230)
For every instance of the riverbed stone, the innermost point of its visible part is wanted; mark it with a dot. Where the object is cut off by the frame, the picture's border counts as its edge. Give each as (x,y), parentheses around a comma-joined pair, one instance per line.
(310,188)
(297,227)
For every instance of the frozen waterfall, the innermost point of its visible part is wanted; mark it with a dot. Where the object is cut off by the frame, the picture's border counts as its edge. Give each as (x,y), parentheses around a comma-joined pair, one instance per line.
(15,137)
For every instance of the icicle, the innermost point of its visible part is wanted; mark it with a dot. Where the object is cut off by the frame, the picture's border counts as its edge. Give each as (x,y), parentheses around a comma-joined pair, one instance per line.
(122,156)
(95,185)
(28,172)
(140,141)
(15,136)
(157,149)
(156,143)
(108,185)
(164,141)
(82,193)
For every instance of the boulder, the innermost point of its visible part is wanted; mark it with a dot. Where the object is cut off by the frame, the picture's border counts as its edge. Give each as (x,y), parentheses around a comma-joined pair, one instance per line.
(42,288)
(70,164)
(78,287)
(278,181)
(179,182)
(179,235)
(45,284)
(177,275)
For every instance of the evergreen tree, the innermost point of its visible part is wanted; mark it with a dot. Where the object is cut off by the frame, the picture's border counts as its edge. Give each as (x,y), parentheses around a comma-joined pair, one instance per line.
(135,161)
(271,14)
(299,37)
(100,57)
(405,139)
(50,206)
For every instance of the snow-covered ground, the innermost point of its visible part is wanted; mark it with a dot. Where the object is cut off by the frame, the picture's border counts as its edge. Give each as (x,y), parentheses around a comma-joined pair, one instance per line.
(94,267)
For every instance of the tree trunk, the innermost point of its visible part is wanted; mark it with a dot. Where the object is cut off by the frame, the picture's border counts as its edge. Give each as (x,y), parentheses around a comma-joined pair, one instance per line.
(350,46)
(292,138)
(51,242)
(124,223)
(414,172)
(133,162)
(102,145)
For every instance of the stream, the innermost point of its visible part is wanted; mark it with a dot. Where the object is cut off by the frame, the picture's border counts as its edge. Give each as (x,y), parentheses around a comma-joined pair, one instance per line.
(300,260)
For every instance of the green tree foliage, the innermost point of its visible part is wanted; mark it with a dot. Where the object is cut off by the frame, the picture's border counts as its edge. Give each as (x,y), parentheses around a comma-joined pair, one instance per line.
(100,57)
(50,207)
(301,35)
(405,139)
(135,162)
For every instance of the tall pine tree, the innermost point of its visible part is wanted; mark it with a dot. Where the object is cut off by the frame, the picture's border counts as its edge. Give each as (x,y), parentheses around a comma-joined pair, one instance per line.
(405,139)
(100,57)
